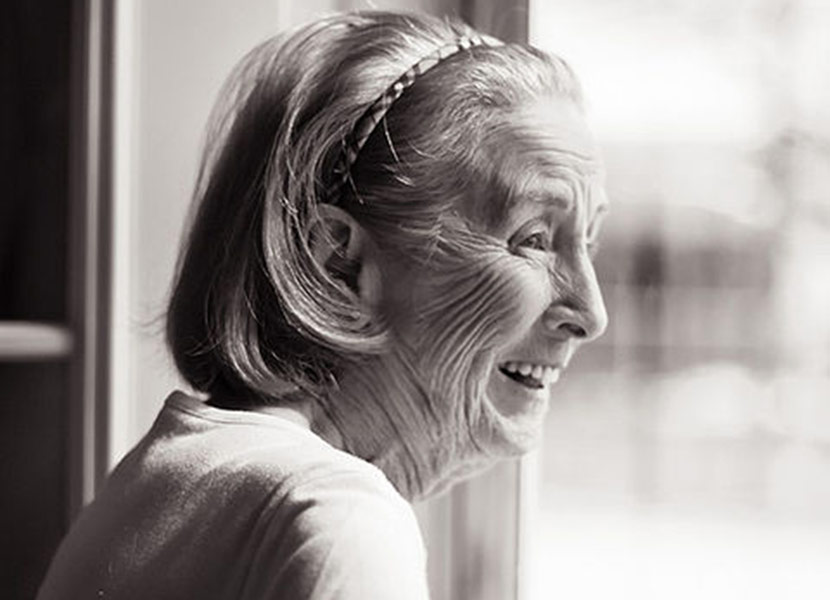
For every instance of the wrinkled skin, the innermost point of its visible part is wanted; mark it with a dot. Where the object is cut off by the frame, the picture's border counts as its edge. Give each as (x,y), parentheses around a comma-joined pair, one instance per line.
(510,279)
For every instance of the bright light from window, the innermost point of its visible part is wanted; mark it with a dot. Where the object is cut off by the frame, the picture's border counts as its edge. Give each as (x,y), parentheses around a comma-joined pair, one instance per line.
(651,78)
(686,452)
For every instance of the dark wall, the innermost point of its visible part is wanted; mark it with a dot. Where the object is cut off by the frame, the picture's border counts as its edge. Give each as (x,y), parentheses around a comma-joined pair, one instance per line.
(34,156)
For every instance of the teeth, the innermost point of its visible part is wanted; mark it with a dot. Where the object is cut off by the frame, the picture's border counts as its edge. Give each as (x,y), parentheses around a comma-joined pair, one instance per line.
(551,376)
(544,374)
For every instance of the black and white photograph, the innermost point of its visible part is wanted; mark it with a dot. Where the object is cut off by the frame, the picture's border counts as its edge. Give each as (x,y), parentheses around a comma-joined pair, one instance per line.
(415,300)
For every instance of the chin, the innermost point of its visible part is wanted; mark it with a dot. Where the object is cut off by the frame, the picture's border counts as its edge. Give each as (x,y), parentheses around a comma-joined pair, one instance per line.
(517,414)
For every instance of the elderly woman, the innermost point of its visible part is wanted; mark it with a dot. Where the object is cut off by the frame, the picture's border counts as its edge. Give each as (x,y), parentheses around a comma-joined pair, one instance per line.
(389,266)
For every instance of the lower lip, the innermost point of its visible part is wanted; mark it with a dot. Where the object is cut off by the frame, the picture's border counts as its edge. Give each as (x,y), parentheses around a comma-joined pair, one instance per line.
(513,399)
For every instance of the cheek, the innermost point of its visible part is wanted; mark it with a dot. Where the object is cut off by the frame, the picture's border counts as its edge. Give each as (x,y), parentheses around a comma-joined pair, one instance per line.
(533,293)
(482,305)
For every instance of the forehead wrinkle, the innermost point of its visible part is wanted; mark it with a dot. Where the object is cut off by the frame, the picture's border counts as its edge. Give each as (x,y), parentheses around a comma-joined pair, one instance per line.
(559,187)
(509,187)
(547,165)
(558,149)
(569,161)
(523,164)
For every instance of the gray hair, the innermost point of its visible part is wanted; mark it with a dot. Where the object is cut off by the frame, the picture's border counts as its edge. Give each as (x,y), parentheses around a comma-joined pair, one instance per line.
(250,306)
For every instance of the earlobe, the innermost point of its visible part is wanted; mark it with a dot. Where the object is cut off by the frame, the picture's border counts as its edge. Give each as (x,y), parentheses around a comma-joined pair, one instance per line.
(344,250)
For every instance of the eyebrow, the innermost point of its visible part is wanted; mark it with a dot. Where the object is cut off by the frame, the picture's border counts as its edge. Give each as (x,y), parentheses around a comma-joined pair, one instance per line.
(584,164)
(548,163)
(544,194)
(555,186)
(558,186)
(504,191)
(538,179)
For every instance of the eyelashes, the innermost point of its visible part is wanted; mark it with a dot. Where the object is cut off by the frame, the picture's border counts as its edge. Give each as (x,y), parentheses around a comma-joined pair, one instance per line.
(538,240)
(534,236)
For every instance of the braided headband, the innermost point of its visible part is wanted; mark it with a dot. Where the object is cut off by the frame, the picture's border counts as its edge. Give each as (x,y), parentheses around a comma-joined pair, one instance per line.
(367,123)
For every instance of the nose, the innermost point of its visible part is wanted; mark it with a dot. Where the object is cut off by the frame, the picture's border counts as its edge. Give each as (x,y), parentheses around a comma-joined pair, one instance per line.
(577,310)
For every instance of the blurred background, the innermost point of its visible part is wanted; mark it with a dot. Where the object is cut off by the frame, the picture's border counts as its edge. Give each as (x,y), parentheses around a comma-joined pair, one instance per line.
(690,457)
(687,452)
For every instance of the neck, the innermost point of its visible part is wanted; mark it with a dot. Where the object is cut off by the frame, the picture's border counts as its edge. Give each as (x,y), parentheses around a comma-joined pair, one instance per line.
(422,440)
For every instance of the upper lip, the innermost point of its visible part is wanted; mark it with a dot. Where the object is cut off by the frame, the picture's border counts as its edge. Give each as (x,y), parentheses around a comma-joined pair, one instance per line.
(556,356)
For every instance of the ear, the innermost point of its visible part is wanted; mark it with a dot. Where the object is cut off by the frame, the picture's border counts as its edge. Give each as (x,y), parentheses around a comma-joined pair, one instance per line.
(344,250)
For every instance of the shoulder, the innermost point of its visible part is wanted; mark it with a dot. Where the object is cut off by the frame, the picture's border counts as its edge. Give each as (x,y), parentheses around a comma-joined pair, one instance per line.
(345,496)
(349,494)
(317,522)
(341,531)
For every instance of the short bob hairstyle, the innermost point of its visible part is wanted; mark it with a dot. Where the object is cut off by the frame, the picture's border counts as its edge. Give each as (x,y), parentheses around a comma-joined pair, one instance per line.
(250,308)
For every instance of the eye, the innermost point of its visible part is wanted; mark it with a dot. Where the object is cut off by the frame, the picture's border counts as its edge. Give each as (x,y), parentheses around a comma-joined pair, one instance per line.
(536,241)
(535,238)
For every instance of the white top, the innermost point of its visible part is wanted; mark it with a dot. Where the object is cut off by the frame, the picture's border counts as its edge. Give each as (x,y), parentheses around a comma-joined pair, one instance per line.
(221,504)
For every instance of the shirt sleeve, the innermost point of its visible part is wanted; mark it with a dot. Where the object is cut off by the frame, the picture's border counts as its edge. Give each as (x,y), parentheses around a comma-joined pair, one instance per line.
(346,538)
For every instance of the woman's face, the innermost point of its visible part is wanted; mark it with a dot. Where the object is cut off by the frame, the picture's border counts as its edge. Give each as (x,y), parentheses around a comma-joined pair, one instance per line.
(501,307)
(550,224)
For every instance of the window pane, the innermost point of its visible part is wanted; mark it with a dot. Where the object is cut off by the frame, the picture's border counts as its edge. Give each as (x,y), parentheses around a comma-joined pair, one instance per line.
(687,452)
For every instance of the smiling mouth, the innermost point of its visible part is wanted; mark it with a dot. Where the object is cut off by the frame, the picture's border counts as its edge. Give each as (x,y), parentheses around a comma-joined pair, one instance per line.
(530,375)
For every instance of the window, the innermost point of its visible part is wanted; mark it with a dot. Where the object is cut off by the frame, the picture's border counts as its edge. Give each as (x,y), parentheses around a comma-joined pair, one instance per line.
(686,453)
(49,280)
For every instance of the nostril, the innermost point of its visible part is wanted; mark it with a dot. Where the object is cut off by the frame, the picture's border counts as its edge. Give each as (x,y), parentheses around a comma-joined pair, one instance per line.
(574,329)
